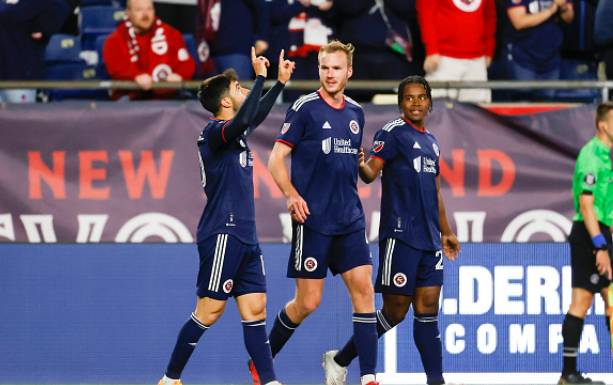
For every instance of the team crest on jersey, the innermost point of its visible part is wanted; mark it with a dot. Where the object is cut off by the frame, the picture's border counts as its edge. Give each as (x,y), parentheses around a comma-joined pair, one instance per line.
(227,286)
(354,127)
(467,5)
(310,264)
(400,280)
(285,128)
(378,145)
(435,148)
(589,179)
(326,145)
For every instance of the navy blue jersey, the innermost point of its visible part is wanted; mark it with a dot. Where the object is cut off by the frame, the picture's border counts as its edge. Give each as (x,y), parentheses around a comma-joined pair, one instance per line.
(536,48)
(409,200)
(324,171)
(227,178)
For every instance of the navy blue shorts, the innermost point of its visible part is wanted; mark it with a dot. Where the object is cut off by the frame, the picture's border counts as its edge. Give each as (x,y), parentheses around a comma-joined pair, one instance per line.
(229,267)
(313,253)
(403,268)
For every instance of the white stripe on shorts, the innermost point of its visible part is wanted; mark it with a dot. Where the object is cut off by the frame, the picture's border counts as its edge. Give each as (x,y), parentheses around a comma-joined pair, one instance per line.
(386,276)
(298,250)
(220,253)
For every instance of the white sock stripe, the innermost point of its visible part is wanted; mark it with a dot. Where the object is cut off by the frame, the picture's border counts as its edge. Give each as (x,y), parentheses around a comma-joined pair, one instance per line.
(197,322)
(383,321)
(249,323)
(426,319)
(364,320)
(569,354)
(283,323)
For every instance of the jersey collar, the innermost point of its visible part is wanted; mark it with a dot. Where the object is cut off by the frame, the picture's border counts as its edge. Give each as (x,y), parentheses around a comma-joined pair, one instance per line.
(411,124)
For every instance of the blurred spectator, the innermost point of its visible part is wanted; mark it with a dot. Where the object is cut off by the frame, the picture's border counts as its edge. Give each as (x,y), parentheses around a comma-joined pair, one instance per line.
(146,50)
(532,40)
(71,25)
(301,28)
(603,33)
(25,28)
(382,39)
(179,14)
(459,37)
(225,32)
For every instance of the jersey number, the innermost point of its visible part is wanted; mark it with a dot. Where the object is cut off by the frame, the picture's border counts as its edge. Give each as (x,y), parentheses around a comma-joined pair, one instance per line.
(439,265)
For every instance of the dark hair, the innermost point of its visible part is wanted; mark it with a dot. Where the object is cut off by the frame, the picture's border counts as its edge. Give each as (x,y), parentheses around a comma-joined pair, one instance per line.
(602,111)
(215,88)
(414,79)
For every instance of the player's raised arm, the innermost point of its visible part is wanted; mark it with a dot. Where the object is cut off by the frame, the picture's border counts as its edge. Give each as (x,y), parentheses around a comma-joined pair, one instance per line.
(296,206)
(369,169)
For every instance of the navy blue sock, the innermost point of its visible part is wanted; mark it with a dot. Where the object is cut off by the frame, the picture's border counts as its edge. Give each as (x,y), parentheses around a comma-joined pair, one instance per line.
(571,332)
(188,336)
(365,337)
(254,334)
(349,352)
(281,332)
(428,341)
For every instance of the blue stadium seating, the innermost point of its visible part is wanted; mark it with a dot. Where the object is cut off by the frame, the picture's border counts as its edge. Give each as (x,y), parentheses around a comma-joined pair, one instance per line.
(98,20)
(578,70)
(63,49)
(102,73)
(190,43)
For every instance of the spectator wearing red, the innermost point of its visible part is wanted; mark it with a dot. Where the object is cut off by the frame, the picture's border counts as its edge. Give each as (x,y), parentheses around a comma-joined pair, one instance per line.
(459,39)
(147,51)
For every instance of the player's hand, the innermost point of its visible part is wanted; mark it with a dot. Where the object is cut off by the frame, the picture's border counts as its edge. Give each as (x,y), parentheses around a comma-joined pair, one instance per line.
(261,46)
(488,61)
(432,62)
(144,81)
(259,63)
(361,158)
(286,68)
(451,246)
(298,208)
(560,3)
(603,263)
(325,5)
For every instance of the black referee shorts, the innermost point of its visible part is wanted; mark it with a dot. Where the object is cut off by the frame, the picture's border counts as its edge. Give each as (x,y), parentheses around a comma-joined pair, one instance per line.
(583,260)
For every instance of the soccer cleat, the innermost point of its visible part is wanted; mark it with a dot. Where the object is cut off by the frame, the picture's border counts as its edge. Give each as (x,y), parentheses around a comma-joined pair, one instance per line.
(254,373)
(577,378)
(335,374)
(175,382)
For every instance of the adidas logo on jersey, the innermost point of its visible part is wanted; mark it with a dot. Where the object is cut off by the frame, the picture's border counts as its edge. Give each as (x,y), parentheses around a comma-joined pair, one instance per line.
(326,126)
(416,145)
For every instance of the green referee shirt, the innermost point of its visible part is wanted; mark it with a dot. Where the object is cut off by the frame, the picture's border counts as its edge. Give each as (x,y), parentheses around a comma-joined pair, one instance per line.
(594,175)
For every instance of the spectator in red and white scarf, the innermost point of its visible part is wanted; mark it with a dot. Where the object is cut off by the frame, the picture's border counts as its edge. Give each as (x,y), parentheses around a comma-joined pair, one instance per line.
(147,51)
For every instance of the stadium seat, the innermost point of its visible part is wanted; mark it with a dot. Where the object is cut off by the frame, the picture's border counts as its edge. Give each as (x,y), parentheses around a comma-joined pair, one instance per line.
(101,68)
(98,20)
(63,49)
(73,71)
(578,70)
(190,43)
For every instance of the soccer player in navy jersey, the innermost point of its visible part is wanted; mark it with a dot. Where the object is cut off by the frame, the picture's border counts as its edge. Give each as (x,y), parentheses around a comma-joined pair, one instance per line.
(231,262)
(323,133)
(413,232)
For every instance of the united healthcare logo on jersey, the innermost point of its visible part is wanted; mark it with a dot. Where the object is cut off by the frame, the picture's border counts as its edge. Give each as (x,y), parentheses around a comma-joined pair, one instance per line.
(326,145)
(425,164)
(246,159)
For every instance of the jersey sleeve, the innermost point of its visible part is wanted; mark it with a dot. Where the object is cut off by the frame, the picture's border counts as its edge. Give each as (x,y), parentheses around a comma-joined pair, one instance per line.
(293,127)
(587,172)
(384,146)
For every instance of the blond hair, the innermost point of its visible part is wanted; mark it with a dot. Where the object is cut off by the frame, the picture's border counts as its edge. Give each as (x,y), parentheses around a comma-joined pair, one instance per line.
(336,46)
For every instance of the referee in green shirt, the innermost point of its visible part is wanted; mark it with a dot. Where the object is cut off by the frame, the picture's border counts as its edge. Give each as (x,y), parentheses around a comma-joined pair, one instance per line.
(590,238)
